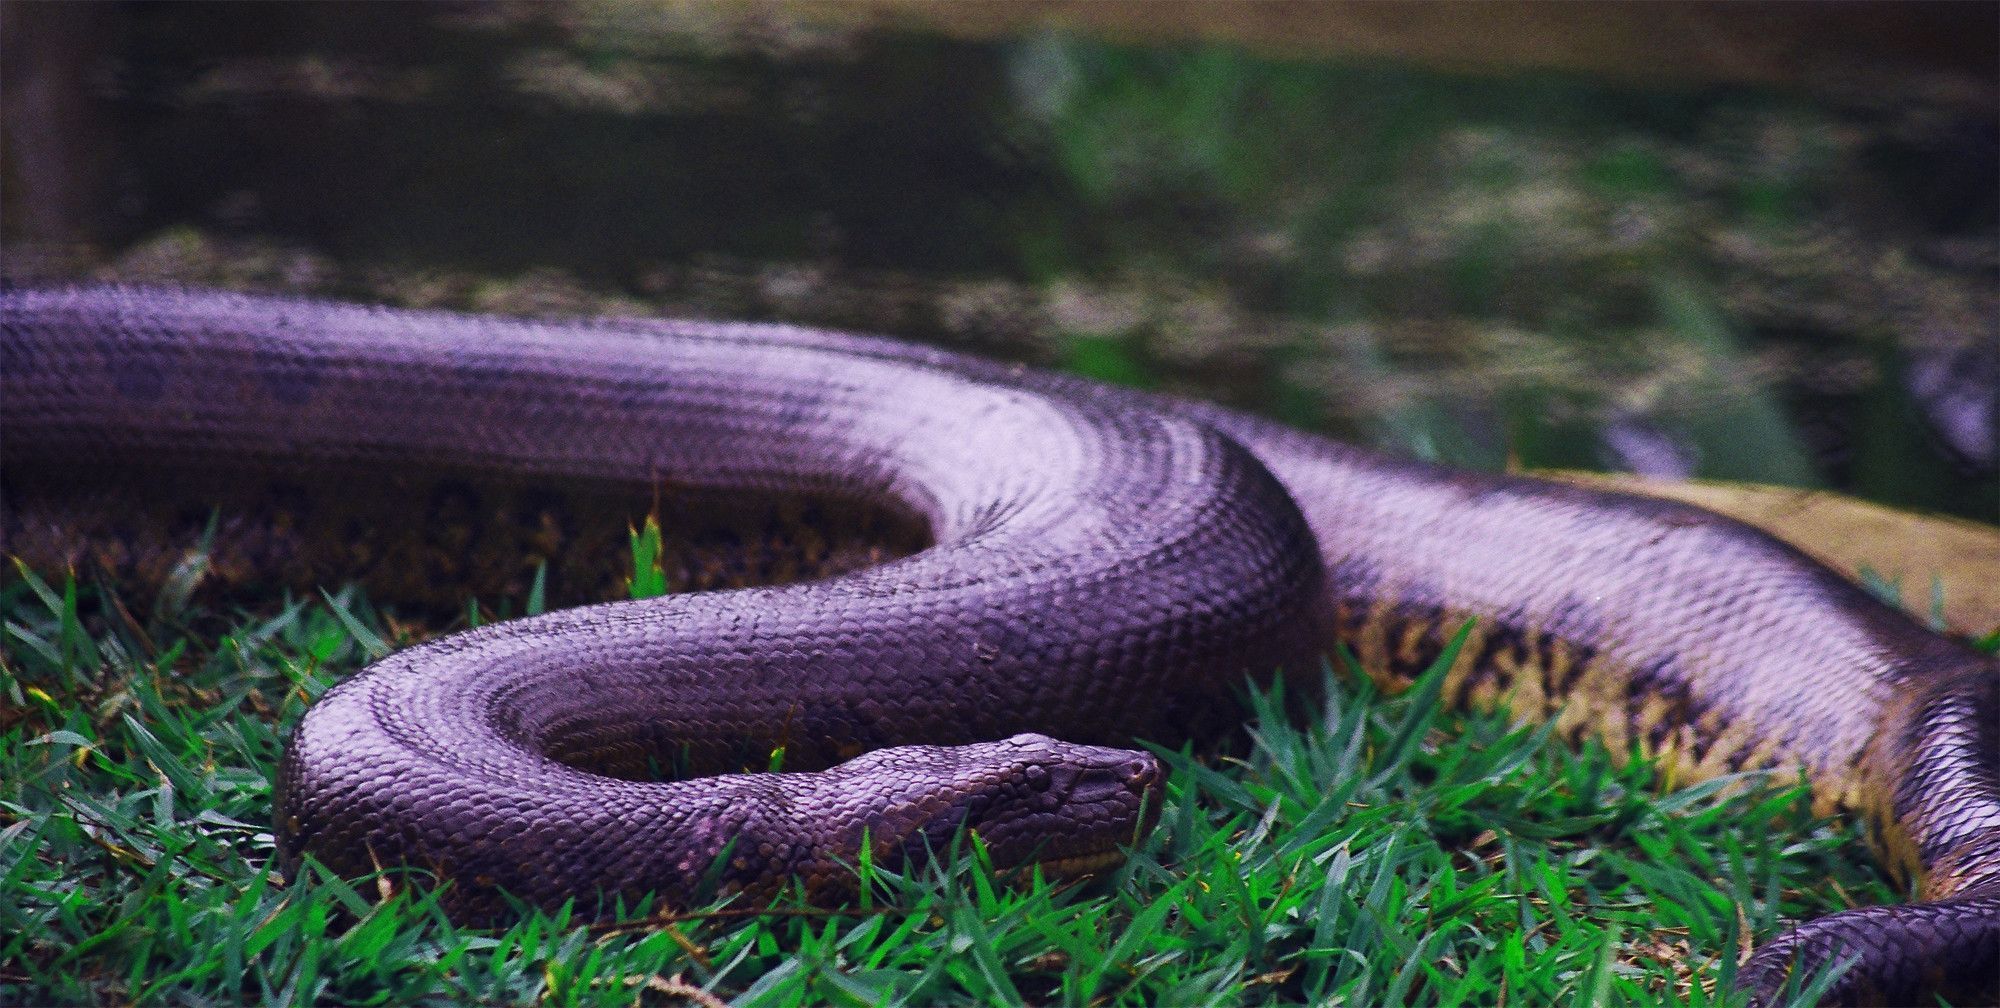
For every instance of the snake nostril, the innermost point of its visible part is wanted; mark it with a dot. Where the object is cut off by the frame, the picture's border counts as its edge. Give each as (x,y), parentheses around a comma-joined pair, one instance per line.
(1141,775)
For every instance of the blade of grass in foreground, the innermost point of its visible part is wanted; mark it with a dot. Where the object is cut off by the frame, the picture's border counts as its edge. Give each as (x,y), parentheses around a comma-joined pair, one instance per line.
(1385,849)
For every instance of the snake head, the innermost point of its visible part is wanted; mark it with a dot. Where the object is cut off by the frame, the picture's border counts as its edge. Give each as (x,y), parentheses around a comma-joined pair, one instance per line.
(1033,801)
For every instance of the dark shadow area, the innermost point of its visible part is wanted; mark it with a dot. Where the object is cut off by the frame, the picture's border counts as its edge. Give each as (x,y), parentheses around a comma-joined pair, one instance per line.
(1745,268)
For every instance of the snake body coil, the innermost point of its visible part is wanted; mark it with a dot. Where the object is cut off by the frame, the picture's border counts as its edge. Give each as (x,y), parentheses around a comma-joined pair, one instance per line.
(1106,565)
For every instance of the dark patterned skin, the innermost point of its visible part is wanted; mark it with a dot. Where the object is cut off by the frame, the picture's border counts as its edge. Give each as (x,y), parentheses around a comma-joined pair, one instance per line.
(1104,565)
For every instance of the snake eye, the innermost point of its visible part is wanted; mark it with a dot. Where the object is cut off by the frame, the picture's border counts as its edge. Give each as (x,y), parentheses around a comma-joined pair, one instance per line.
(1038,778)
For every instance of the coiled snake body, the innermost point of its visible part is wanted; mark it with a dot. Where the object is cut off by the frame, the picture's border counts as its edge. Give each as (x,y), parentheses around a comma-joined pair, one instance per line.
(1106,565)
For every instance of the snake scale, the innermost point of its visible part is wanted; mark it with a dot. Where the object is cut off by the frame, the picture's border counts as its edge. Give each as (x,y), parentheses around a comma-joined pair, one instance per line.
(1104,565)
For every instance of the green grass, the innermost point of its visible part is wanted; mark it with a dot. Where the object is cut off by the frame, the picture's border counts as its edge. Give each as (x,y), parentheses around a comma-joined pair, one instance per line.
(1385,853)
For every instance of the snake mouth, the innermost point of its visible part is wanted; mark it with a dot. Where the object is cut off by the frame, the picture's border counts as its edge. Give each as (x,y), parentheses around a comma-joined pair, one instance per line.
(1076,866)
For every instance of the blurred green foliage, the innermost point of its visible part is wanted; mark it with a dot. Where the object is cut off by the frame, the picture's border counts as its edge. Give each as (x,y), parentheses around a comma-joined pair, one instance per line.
(1533,269)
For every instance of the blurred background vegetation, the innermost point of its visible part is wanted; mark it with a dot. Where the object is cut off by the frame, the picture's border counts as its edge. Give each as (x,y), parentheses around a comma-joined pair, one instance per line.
(1746,241)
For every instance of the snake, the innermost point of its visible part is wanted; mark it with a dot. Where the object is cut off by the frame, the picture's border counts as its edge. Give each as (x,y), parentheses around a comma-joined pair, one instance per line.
(1099,565)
